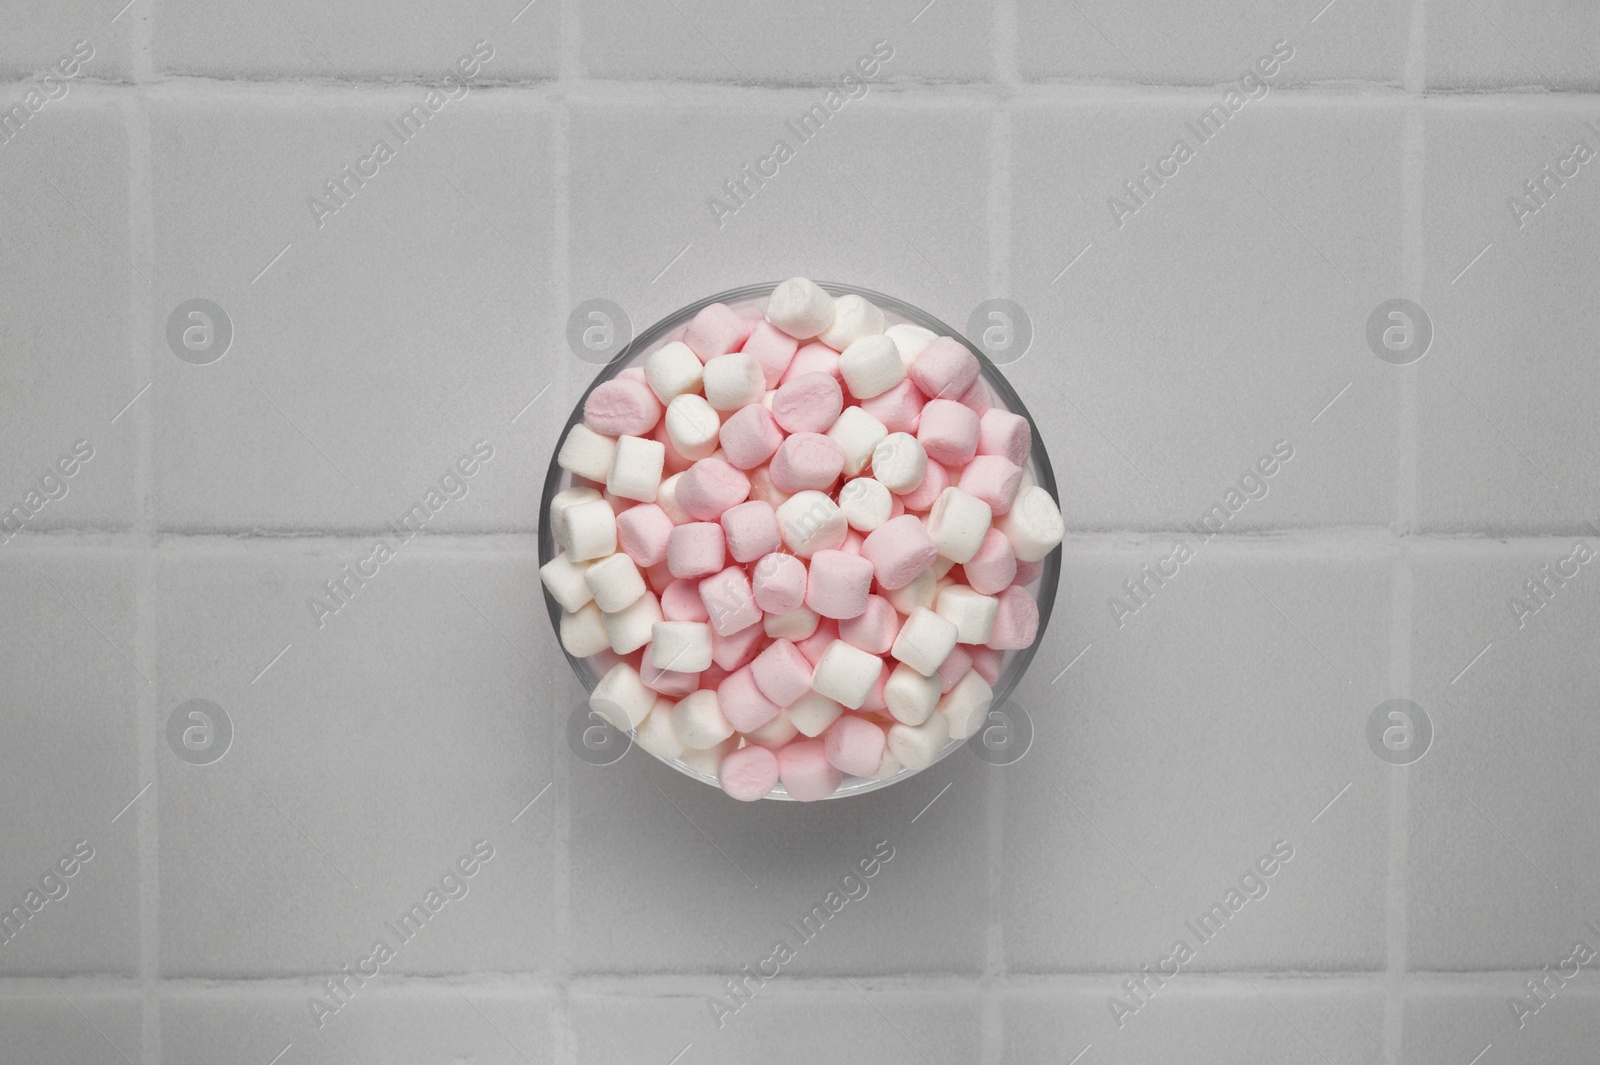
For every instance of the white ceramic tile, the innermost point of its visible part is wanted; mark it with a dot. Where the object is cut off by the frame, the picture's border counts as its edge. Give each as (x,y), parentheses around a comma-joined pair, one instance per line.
(381,347)
(1512,44)
(1442,1026)
(37,35)
(70,1025)
(368,759)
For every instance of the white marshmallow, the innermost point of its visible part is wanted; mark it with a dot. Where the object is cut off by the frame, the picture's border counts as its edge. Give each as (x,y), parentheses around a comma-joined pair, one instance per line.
(910,340)
(853,318)
(900,462)
(629,629)
(966,705)
(911,696)
(957,524)
(942,566)
(636,471)
(1033,524)
(583,633)
(673,370)
(919,593)
(857,433)
(621,697)
(560,503)
(762,488)
(813,712)
(871,366)
(706,762)
(810,522)
(800,308)
(693,426)
(586,453)
(865,503)
(681,646)
(564,579)
(918,745)
(891,765)
(733,381)
(615,582)
(655,734)
(925,641)
(971,612)
(845,673)
(667,500)
(592,528)
(797,624)
(775,733)
(698,720)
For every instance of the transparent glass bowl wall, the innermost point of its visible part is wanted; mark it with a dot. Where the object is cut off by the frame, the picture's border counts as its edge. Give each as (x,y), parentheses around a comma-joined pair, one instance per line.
(1043,589)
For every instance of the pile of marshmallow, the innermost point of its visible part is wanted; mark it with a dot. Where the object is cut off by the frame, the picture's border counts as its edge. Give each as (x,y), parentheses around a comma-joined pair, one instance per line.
(798,546)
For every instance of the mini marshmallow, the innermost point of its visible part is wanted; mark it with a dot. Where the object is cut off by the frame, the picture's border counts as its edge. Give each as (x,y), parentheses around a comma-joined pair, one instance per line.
(559,505)
(987,662)
(1033,524)
(846,674)
(681,646)
(900,462)
(592,528)
(815,357)
(629,628)
(636,470)
(708,761)
(747,774)
(667,499)
(865,503)
(693,426)
(911,698)
(565,581)
(811,522)
(1003,433)
(838,584)
(1016,622)
(910,340)
(854,317)
(586,453)
(796,624)
(817,644)
(806,773)
(774,734)
(750,436)
(716,330)
(941,567)
(751,530)
(583,633)
(761,488)
(782,673)
(614,581)
(871,366)
(919,593)
(655,733)
(810,403)
(731,652)
(642,532)
(948,432)
(976,398)
(813,712)
(741,700)
(733,381)
(935,479)
(673,370)
(857,433)
(924,641)
(917,746)
(710,487)
(698,721)
(945,369)
(899,409)
(965,706)
(658,577)
(729,601)
(622,406)
(899,550)
(800,308)
(772,348)
(994,567)
(957,523)
(680,601)
(855,746)
(874,702)
(695,550)
(667,682)
(992,479)
(971,612)
(1027,572)
(891,765)
(621,697)
(874,629)
(806,460)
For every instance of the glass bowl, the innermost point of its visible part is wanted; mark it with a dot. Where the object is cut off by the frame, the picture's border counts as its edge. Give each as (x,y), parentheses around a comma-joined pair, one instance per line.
(747,300)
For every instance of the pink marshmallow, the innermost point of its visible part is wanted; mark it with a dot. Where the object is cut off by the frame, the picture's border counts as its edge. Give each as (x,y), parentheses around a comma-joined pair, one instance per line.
(977,398)
(695,549)
(806,460)
(806,773)
(809,403)
(716,330)
(680,601)
(751,530)
(986,662)
(1003,433)
(994,567)
(748,773)
(994,480)
(742,702)
(642,532)
(839,584)
(956,664)
(773,348)
(899,549)
(898,409)
(659,577)
(854,745)
(729,653)
(780,583)
(750,436)
(673,684)
(816,644)
(710,487)
(1016,622)
(781,672)
(814,357)
(945,369)
(934,480)
(712,678)
(622,406)
(874,629)
(730,604)
(948,432)
(1028,572)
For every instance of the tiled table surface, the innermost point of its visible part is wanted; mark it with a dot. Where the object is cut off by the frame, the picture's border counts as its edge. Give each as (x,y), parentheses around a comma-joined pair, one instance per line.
(1175,745)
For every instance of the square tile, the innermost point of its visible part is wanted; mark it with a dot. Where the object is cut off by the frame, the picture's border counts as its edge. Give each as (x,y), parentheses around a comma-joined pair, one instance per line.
(71,1025)
(1446,1024)
(37,35)
(1500,44)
